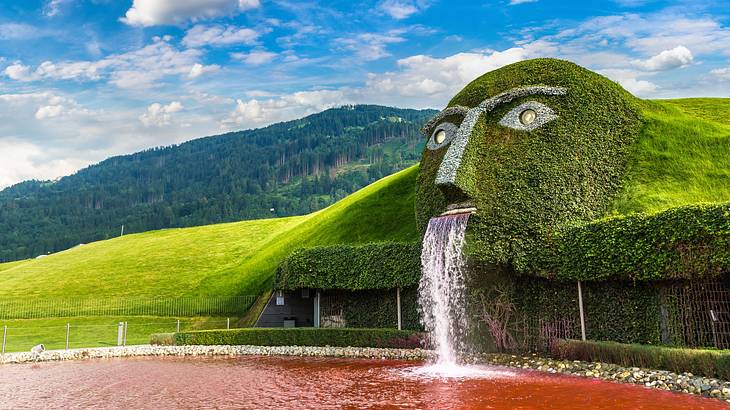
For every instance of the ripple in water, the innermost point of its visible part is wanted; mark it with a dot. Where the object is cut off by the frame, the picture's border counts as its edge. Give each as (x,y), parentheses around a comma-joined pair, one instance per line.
(455,371)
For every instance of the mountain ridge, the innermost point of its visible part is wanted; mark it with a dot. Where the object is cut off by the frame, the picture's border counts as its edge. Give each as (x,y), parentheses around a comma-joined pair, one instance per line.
(289,168)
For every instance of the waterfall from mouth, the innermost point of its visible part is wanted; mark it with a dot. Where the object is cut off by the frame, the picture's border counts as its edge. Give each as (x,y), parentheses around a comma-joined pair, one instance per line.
(442,290)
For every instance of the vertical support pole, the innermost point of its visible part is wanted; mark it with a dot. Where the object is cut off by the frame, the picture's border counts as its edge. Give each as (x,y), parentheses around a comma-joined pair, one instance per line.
(120,333)
(126,324)
(228,323)
(582,317)
(397,296)
(713,319)
(178,325)
(68,332)
(316,309)
(5,335)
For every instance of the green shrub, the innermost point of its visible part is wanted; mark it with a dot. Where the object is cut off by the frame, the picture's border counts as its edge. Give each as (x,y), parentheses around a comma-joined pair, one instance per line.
(371,266)
(303,337)
(708,363)
(162,339)
(688,242)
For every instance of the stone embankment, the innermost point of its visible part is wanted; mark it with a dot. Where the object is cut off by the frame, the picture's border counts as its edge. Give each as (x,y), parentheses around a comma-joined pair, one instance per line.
(658,379)
(152,350)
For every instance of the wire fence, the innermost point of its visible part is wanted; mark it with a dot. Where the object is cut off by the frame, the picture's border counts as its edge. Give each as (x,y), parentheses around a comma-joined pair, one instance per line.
(34,308)
(696,314)
(19,336)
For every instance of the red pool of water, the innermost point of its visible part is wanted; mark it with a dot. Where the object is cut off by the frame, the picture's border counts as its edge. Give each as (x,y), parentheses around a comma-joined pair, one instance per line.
(292,382)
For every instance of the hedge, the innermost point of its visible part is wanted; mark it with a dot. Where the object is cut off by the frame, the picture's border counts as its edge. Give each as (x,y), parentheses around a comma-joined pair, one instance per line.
(162,339)
(343,337)
(708,363)
(372,266)
(688,242)
(614,310)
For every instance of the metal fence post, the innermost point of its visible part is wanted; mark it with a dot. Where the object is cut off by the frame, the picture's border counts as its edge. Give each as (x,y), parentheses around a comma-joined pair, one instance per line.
(178,325)
(397,295)
(582,317)
(5,334)
(125,332)
(68,331)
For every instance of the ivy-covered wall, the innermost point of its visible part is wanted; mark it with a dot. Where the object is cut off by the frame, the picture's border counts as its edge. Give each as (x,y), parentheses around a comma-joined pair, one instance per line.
(365,267)
(378,308)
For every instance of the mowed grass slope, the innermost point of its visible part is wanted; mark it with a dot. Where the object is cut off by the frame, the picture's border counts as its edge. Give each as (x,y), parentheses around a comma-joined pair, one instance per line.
(683,156)
(226,259)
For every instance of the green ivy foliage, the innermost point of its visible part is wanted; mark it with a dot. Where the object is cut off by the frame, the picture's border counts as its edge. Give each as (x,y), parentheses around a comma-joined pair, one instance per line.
(386,265)
(689,242)
(379,308)
(304,336)
(614,310)
(528,185)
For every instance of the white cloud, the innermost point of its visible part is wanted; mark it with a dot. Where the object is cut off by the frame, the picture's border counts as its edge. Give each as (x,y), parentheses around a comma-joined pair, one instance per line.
(436,79)
(161,12)
(219,35)
(198,69)
(158,115)
(420,81)
(255,57)
(19,72)
(23,160)
(370,46)
(19,31)
(723,73)
(398,9)
(516,2)
(48,111)
(630,80)
(677,57)
(53,7)
(142,68)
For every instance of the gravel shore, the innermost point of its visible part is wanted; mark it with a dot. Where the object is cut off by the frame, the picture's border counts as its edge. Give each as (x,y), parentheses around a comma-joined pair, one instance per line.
(152,350)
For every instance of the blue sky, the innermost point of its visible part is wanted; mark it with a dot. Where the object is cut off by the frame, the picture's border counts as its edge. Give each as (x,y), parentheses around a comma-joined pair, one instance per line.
(81,80)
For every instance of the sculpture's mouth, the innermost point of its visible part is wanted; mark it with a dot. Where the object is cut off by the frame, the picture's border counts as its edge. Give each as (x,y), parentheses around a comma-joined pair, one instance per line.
(460,208)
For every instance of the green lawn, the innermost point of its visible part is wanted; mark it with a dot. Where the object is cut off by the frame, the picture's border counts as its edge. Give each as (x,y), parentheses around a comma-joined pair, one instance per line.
(683,156)
(93,331)
(226,259)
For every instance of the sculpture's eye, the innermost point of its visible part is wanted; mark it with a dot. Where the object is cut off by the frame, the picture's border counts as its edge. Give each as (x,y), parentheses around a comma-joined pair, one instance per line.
(442,134)
(528,116)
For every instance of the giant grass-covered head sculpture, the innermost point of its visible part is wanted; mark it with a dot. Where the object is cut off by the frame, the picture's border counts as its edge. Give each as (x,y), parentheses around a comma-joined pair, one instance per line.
(532,146)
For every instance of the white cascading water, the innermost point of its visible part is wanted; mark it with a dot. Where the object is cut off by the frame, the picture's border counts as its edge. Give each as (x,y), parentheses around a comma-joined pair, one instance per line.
(442,290)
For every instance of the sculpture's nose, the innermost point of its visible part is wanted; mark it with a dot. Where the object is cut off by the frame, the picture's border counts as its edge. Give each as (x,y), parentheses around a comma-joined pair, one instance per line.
(447,177)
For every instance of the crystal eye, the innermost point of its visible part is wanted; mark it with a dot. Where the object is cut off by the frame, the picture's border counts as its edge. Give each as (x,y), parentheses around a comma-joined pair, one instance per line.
(439,137)
(528,116)
(442,135)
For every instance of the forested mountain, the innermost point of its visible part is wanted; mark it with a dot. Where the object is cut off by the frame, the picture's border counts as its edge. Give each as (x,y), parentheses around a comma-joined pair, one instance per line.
(287,168)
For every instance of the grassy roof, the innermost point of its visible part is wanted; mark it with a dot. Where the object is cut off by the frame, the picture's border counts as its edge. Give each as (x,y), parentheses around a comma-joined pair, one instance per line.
(681,157)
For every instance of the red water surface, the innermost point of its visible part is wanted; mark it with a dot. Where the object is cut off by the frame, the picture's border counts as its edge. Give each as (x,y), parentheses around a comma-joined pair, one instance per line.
(297,383)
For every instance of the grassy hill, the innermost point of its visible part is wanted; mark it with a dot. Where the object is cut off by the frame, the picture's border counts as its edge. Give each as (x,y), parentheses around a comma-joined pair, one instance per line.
(683,156)
(226,259)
